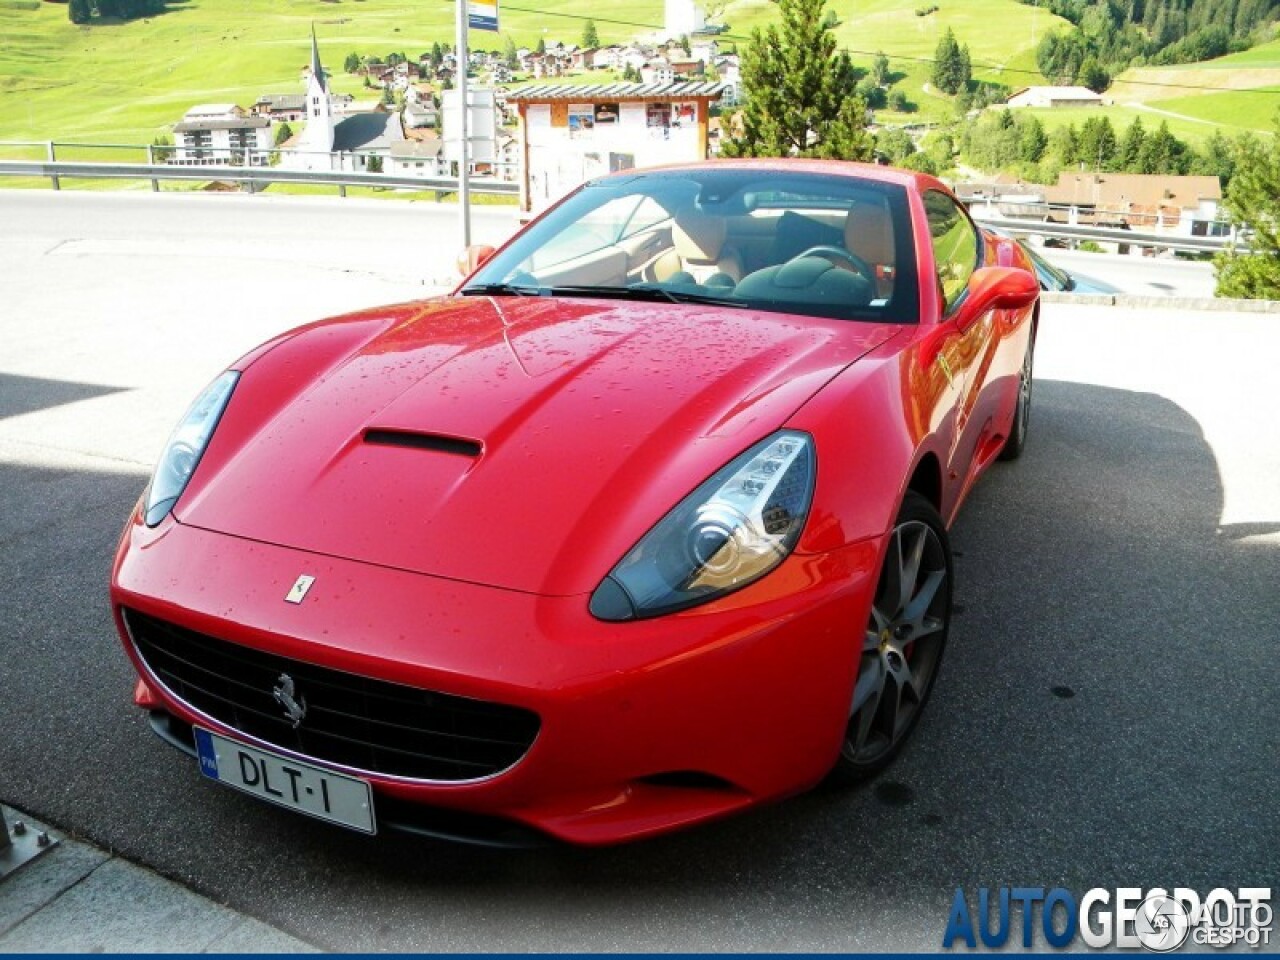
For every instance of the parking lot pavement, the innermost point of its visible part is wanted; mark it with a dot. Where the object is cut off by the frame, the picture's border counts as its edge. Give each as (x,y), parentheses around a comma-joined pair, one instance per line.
(1106,715)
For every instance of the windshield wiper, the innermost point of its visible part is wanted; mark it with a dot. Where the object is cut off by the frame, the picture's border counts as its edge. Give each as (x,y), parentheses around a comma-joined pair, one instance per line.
(643,292)
(500,290)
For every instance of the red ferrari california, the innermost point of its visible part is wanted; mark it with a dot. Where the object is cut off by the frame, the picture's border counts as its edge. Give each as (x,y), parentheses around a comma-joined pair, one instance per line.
(646,523)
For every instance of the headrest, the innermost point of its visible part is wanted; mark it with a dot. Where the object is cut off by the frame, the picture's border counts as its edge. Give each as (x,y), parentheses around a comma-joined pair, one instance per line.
(698,236)
(868,231)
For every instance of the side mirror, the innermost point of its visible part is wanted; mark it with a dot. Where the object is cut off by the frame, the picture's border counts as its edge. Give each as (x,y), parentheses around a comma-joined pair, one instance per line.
(1000,288)
(471,258)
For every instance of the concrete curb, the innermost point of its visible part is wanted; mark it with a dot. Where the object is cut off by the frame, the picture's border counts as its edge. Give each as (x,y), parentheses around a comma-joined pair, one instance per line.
(1220,305)
(78,898)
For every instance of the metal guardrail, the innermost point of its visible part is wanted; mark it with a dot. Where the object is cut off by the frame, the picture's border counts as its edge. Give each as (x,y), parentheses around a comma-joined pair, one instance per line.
(1066,231)
(257,176)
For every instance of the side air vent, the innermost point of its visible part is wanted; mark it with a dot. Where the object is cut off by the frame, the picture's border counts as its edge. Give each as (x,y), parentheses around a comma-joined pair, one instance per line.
(423,441)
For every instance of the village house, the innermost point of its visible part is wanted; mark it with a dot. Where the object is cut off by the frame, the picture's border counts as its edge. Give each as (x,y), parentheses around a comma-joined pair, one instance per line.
(1187,206)
(570,133)
(221,133)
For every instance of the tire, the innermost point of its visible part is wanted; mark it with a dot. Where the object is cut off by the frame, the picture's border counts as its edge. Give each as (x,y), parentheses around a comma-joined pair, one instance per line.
(1017,440)
(902,644)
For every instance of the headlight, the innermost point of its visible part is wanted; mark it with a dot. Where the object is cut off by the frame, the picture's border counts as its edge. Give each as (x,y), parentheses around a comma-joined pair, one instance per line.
(186,446)
(732,530)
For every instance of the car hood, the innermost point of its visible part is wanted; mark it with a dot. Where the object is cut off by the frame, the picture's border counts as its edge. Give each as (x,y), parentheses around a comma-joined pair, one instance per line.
(524,443)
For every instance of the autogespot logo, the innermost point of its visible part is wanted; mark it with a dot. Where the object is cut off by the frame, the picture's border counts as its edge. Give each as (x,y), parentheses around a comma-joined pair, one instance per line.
(1126,918)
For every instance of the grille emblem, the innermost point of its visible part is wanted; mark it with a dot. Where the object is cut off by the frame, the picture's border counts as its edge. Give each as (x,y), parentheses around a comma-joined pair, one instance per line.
(294,710)
(298,592)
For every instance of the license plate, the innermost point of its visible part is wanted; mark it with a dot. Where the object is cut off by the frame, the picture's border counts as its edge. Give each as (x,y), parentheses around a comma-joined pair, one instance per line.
(286,782)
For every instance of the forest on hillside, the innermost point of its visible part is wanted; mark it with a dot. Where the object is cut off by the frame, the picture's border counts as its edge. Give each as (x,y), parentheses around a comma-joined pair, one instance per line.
(1112,35)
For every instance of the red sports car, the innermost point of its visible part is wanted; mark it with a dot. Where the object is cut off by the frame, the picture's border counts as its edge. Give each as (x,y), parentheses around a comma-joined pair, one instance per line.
(645,524)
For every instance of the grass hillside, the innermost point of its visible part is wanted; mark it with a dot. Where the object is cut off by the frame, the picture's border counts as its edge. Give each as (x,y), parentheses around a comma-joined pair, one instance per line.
(1236,92)
(128,82)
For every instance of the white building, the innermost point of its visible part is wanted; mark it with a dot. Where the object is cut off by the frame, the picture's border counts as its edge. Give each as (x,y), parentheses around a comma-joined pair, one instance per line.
(570,133)
(682,17)
(312,150)
(221,133)
(1055,97)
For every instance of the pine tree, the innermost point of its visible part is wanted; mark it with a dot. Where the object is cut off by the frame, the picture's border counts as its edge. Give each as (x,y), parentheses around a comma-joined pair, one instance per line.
(800,93)
(78,11)
(541,48)
(510,54)
(590,38)
(1032,140)
(1130,148)
(1096,148)
(952,69)
(1253,203)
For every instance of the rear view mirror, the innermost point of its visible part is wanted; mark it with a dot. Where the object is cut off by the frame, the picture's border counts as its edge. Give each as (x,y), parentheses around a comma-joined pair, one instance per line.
(470,259)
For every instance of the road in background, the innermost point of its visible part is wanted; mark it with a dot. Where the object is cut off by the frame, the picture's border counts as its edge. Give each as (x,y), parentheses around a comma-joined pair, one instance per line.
(1141,276)
(1106,715)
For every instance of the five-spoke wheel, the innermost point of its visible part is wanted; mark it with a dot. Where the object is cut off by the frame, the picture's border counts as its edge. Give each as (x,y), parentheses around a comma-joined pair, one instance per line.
(903,642)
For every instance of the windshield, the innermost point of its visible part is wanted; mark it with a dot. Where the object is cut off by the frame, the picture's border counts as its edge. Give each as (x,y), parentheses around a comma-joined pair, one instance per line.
(813,244)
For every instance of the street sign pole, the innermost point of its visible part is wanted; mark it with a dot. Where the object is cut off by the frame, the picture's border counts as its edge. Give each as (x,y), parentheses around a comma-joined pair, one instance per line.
(464,135)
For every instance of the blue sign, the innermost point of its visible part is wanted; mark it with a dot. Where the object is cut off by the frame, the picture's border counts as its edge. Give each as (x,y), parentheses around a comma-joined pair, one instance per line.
(482,15)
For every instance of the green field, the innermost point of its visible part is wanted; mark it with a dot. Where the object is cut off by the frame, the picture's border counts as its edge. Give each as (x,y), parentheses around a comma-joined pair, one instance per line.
(1240,91)
(127,83)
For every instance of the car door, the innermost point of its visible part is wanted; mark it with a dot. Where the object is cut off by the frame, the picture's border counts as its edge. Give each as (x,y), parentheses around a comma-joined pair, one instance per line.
(964,353)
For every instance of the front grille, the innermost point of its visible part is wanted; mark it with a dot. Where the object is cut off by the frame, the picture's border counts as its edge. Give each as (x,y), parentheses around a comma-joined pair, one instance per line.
(350,720)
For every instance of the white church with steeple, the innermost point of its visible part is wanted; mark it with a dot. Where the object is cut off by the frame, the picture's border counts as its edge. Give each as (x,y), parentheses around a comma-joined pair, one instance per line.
(339,142)
(316,143)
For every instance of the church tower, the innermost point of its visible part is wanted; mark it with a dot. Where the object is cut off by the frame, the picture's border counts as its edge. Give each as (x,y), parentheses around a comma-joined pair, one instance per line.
(318,135)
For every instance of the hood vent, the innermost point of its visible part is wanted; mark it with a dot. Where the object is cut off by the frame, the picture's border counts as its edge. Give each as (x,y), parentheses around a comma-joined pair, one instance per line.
(423,441)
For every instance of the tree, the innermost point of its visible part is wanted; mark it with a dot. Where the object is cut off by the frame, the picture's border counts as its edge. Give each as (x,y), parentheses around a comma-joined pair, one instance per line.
(78,11)
(352,63)
(1032,140)
(374,163)
(952,69)
(1092,75)
(1253,204)
(801,95)
(510,54)
(541,49)
(283,133)
(880,70)
(1216,159)
(686,45)
(590,38)
(899,103)
(894,144)
(1130,151)
(1097,145)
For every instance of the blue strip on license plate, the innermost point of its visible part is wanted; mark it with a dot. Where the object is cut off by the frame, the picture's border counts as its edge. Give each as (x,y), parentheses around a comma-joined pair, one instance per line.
(286,782)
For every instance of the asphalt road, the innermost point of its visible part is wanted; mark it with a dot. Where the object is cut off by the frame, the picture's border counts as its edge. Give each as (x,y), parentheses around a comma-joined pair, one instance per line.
(1107,715)
(1138,275)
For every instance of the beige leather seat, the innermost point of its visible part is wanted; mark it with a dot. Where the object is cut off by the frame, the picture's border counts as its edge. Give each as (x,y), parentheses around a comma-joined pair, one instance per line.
(868,232)
(698,250)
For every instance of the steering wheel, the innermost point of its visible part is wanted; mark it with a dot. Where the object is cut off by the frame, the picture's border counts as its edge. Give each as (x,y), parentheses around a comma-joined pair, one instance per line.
(854,261)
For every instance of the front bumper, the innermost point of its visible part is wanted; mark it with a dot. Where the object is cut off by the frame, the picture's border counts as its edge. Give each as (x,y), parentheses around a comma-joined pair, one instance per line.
(645,726)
